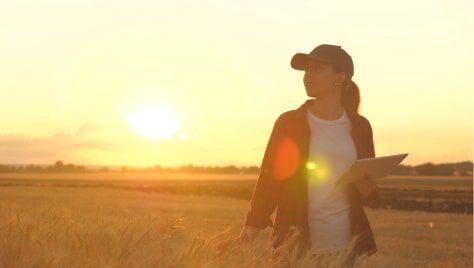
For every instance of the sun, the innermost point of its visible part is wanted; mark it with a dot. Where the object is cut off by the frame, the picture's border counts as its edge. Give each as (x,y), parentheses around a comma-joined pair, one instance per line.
(152,122)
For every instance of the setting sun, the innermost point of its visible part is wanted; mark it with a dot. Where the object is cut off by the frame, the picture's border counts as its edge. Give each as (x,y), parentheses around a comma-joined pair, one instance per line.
(152,122)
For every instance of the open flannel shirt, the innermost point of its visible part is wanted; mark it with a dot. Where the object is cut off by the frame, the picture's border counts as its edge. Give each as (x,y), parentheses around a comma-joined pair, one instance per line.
(282,183)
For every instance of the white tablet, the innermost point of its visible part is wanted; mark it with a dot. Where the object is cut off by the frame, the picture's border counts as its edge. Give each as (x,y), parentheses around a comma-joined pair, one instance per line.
(374,167)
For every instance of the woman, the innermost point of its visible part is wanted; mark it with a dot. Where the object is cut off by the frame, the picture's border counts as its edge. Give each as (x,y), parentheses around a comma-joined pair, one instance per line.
(309,150)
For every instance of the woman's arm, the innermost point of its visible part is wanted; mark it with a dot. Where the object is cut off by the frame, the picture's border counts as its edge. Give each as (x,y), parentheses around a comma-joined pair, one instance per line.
(266,190)
(368,190)
(370,141)
(368,187)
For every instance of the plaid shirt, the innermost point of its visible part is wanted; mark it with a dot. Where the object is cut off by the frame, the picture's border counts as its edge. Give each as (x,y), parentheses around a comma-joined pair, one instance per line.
(282,183)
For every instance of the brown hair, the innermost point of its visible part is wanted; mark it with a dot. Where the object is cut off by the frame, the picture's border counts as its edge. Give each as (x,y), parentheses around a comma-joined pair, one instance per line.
(350,95)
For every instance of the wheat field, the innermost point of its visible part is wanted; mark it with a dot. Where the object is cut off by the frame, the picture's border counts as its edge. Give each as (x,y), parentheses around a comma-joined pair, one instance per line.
(101,227)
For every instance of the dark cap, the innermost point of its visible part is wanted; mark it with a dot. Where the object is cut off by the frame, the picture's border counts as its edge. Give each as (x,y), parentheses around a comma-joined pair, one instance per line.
(331,54)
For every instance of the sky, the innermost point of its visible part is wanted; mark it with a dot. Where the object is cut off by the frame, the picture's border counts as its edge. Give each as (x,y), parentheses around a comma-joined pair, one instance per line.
(143,83)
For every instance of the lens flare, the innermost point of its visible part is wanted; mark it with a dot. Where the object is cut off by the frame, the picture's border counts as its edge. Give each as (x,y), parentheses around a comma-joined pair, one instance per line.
(287,159)
(311,165)
(318,170)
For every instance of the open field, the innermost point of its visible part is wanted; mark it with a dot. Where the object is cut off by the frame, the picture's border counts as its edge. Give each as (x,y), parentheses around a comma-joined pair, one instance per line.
(150,179)
(432,194)
(110,227)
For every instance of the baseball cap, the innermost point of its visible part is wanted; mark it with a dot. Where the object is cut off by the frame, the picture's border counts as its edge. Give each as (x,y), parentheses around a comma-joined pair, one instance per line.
(331,54)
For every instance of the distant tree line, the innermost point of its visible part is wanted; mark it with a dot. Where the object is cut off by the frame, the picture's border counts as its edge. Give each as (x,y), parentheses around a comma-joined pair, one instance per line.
(58,166)
(212,169)
(427,169)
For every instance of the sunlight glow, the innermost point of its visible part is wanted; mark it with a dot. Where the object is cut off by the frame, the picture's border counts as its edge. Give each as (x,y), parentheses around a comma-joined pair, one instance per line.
(152,122)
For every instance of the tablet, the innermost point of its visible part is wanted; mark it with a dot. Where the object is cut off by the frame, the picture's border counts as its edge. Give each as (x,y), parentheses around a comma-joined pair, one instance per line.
(374,167)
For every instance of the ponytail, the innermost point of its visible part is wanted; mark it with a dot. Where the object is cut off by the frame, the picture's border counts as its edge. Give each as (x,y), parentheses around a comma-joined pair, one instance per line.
(350,97)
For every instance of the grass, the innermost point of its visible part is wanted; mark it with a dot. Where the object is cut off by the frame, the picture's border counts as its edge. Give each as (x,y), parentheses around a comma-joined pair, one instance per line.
(107,227)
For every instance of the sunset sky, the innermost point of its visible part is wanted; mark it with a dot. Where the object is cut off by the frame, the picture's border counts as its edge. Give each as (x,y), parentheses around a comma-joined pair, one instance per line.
(201,82)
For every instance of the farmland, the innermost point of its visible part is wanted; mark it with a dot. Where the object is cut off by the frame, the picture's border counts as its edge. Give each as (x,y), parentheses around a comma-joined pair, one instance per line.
(178,220)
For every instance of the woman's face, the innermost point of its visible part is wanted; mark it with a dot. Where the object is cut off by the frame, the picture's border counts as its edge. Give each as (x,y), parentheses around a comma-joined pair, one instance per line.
(320,79)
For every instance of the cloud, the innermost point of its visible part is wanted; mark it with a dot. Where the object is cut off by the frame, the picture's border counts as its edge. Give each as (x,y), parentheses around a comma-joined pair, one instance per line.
(21,149)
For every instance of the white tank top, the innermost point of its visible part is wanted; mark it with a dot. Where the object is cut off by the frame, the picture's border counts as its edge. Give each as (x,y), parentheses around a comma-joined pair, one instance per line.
(332,151)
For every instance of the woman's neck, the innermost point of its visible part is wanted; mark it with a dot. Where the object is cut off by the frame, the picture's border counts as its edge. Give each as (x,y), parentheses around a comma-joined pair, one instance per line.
(327,109)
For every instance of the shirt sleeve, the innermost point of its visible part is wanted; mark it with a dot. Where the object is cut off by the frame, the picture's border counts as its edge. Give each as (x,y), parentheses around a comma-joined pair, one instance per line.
(374,195)
(264,197)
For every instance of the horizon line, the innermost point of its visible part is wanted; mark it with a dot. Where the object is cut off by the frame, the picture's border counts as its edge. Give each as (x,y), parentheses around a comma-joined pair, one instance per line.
(189,164)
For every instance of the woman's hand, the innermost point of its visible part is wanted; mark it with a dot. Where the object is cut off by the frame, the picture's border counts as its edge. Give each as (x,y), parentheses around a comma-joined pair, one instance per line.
(248,234)
(366,186)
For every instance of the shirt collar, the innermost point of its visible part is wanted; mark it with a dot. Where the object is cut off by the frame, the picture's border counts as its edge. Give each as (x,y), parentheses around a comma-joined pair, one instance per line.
(301,113)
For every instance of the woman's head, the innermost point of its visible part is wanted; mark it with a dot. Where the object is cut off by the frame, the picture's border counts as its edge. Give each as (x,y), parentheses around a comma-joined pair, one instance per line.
(328,72)
(321,80)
